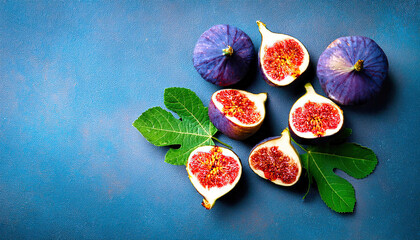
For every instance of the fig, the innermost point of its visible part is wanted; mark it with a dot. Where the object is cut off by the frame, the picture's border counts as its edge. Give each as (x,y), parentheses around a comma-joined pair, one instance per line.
(314,116)
(276,159)
(352,70)
(213,171)
(223,54)
(236,113)
(281,58)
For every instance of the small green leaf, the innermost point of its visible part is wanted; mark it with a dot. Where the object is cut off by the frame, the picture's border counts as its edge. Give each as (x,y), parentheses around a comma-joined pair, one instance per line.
(161,128)
(320,162)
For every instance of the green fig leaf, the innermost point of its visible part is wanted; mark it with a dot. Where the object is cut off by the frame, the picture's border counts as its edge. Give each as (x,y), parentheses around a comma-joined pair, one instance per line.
(320,162)
(161,128)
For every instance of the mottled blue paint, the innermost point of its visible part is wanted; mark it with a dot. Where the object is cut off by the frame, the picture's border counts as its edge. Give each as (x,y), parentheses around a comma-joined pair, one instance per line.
(75,75)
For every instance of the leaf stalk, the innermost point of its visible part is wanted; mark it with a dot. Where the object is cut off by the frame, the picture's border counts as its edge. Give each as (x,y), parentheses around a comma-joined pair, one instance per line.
(225,144)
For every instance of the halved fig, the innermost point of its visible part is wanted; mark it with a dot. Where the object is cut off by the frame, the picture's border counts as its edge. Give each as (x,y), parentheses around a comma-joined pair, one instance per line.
(276,159)
(236,113)
(213,171)
(313,116)
(281,58)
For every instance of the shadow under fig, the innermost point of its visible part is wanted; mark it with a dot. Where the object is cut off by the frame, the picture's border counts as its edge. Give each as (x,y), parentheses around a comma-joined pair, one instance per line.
(238,192)
(379,102)
(297,88)
(249,78)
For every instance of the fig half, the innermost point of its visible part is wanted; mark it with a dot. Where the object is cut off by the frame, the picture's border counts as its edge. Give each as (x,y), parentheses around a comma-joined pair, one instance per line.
(313,117)
(276,159)
(213,171)
(281,58)
(236,113)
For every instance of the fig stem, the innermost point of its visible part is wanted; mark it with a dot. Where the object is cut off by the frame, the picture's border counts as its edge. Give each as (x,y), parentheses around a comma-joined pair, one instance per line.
(309,88)
(228,51)
(217,140)
(263,28)
(358,66)
(260,24)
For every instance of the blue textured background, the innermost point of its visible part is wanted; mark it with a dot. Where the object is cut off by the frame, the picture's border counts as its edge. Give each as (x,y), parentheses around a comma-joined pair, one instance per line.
(74,76)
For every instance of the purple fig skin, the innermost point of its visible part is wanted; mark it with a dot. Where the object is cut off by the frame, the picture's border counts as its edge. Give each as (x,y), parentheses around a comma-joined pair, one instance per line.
(216,67)
(227,127)
(339,77)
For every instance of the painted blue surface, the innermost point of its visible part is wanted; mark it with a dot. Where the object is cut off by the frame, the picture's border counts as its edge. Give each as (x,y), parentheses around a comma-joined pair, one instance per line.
(74,76)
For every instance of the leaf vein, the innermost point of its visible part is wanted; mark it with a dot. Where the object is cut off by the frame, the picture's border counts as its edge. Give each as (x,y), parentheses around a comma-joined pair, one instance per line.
(326,180)
(196,119)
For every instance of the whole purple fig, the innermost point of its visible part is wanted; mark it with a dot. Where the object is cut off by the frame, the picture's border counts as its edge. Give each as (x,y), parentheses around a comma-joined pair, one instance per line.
(223,54)
(352,69)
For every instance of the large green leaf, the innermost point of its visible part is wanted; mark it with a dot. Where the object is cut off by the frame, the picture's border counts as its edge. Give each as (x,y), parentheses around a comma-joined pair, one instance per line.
(320,162)
(161,128)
